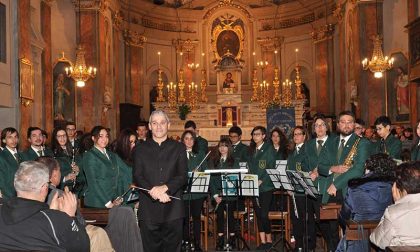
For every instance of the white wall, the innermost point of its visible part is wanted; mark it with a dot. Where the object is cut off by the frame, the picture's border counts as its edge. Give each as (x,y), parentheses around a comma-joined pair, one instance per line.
(63,29)
(395,18)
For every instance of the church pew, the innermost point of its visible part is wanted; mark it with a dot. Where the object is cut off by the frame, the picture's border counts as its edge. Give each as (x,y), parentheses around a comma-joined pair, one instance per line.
(403,249)
(95,216)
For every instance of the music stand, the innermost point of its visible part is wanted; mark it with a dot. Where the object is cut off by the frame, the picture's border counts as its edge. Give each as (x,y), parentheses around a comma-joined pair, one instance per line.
(235,184)
(303,181)
(198,183)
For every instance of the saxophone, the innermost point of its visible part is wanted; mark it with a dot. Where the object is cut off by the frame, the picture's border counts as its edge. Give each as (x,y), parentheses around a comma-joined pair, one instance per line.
(349,159)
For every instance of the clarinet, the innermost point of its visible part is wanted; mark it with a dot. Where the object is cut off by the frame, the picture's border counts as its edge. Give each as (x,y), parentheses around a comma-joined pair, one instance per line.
(294,206)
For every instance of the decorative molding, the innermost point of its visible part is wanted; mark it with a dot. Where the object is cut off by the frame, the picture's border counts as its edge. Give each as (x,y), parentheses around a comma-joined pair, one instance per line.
(163,26)
(99,5)
(322,33)
(338,13)
(270,44)
(267,24)
(133,38)
(187,45)
(48,2)
(117,20)
(227,3)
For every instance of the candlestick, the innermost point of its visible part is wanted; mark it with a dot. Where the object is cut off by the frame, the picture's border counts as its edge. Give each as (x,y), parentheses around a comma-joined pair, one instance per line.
(159,59)
(296,50)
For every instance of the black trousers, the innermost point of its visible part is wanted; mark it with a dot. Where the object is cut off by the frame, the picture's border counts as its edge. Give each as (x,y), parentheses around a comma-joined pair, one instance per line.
(329,228)
(193,209)
(230,215)
(161,237)
(262,207)
(299,223)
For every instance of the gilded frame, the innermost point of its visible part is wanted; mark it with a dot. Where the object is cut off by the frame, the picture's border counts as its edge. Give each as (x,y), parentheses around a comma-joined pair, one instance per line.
(237,29)
(26,79)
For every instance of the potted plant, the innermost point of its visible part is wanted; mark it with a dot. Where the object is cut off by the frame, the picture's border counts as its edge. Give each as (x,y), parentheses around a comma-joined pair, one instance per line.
(183,111)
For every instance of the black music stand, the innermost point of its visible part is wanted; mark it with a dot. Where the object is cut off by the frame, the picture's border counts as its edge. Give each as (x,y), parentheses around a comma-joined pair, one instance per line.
(198,183)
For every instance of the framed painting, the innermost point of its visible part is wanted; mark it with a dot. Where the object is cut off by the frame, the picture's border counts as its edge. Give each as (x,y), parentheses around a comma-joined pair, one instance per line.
(398,90)
(26,79)
(64,95)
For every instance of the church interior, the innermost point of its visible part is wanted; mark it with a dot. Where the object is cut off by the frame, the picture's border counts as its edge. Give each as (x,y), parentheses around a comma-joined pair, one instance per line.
(221,62)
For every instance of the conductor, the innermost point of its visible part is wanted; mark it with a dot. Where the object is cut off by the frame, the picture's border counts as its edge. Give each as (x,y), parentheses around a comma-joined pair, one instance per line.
(159,166)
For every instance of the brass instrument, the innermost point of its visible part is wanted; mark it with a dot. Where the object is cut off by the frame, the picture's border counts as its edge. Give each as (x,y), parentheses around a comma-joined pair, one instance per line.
(349,159)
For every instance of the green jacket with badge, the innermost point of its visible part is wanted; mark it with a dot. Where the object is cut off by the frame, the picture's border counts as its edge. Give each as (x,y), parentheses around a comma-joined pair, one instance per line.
(106,178)
(258,162)
(329,158)
(193,162)
(393,147)
(8,168)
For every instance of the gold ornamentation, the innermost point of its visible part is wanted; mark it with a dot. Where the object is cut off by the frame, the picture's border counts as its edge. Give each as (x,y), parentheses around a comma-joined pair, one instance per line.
(323,33)
(378,63)
(181,86)
(254,97)
(269,44)
(80,73)
(282,24)
(133,38)
(226,3)
(160,97)
(225,23)
(187,45)
(338,13)
(298,83)
(117,20)
(276,85)
(203,86)
(287,93)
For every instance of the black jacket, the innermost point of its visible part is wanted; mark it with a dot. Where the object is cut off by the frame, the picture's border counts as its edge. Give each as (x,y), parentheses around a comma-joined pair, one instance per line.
(156,165)
(31,225)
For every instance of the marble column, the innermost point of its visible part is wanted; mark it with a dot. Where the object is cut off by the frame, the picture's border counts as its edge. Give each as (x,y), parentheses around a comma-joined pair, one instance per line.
(24,51)
(371,91)
(47,65)
(412,14)
(324,69)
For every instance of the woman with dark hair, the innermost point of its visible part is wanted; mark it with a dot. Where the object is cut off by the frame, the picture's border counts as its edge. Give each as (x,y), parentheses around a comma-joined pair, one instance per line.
(262,157)
(193,201)
(367,197)
(415,150)
(280,143)
(86,143)
(107,176)
(67,158)
(124,145)
(223,159)
(400,223)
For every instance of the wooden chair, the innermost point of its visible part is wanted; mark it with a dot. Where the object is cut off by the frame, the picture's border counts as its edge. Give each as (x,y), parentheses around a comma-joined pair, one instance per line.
(330,211)
(282,216)
(95,216)
(353,230)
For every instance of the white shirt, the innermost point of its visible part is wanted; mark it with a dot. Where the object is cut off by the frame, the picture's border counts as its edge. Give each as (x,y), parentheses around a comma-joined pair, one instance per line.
(298,147)
(259,147)
(103,151)
(346,138)
(324,139)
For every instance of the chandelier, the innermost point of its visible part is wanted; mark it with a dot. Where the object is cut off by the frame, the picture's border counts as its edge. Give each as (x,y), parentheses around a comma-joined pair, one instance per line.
(378,64)
(80,73)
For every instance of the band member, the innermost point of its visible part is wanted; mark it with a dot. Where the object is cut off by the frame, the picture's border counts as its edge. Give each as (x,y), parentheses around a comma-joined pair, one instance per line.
(261,157)
(71,134)
(67,158)
(280,143)
(295,162)
(159,166)
(345,159)
(203,145)
(142,131)
(240,150)
(193,201)
(223,159)
(107,176)
(37,149)
(415,150)
(314,150)
(9,161)
(387,143)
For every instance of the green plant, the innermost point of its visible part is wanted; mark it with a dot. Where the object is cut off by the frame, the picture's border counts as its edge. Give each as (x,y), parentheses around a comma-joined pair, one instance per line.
(183,111)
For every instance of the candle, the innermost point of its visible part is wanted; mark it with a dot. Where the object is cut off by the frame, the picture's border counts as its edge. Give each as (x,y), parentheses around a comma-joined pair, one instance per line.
(275,58)
(159,59)
(296,50)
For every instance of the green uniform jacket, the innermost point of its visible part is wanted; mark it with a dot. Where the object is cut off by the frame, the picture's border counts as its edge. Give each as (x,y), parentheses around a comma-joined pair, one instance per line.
(203,145)
(106,178)
(193,162)
(329,158)
(311,160)
(415,153)
(31,155)
(216,179)
(393,147)
(8,168)
(261,160)
(240,152)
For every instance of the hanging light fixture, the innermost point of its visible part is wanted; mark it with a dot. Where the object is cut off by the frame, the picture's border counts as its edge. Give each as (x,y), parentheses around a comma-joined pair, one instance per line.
(80,73)
(378,64)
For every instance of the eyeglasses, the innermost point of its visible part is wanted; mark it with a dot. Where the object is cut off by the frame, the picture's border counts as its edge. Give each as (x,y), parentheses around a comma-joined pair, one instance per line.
(298,134)
(320,125)
(257,134)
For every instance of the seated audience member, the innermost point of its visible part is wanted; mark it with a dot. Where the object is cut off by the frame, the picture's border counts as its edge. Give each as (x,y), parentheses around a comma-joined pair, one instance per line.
(400,224)
(27,223)
(99,240)
(367,197)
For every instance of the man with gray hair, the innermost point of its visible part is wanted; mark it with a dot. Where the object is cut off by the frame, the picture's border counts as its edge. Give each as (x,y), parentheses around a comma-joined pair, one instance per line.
(28,223)
(160,166)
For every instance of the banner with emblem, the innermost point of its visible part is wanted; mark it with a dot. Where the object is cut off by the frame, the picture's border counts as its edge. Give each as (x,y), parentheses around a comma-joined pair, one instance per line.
(283,118)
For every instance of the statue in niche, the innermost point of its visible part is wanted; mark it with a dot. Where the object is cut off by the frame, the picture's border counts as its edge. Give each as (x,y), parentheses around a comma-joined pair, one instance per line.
(401,85)
(60,93)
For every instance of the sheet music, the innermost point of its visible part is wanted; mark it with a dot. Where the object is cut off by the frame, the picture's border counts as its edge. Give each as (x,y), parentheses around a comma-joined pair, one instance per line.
(274,175)
(284,179)
(200,182)
(249,185)
(229,184)
(309,182)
